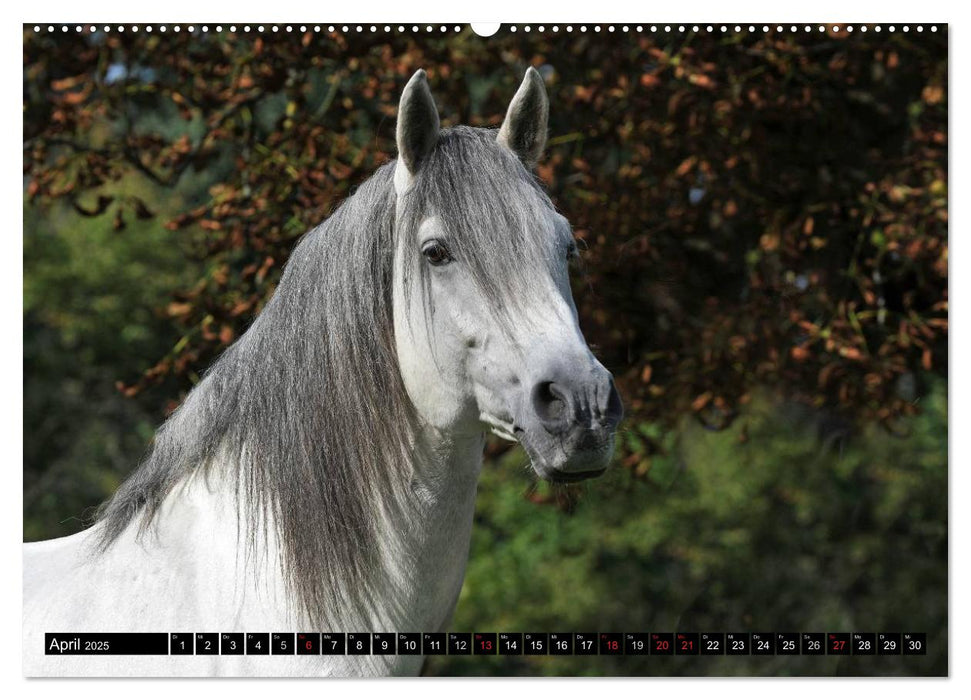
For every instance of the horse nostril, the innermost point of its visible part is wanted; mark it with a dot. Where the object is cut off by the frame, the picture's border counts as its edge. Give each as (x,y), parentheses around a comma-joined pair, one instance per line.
(551,406)
(615,407)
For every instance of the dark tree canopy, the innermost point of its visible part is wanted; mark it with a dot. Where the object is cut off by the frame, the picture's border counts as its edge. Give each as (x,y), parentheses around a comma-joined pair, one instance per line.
(759,210)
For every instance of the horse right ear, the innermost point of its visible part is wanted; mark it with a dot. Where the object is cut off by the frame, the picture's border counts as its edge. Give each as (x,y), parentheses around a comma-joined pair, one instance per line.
(523,131)
(417,130)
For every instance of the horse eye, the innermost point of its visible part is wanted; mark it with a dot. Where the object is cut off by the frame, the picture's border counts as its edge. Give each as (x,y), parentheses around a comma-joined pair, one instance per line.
(436,253)
(572,252)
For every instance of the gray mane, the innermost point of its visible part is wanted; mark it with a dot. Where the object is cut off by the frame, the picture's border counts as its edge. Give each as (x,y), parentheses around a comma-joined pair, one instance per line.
(308,405)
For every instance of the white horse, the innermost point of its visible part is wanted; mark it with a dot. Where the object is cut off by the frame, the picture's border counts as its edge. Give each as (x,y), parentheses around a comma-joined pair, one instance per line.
(322,476)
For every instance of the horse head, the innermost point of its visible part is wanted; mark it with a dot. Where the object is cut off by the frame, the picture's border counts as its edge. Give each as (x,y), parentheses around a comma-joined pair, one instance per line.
(485,325)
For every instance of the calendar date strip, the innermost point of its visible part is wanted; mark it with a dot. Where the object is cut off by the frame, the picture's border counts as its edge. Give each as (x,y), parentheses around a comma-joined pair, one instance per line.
(488,643)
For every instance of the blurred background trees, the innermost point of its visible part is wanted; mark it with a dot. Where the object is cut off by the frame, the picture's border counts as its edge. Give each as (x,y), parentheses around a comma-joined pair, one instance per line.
(764,218)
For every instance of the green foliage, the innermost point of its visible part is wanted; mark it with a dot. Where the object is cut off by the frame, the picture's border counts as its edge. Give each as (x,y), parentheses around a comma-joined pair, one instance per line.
(758,527)
(90,320)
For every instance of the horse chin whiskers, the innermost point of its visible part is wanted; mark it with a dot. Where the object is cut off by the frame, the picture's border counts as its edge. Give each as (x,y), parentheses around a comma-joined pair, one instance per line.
(557,460)
(505,429)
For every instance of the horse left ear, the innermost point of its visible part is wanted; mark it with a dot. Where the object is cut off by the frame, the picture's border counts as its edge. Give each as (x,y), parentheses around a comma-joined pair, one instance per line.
(417,129)
(524,129)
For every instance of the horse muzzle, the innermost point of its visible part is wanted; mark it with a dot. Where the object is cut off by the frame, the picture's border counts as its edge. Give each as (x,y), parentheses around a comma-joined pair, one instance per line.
(570,424)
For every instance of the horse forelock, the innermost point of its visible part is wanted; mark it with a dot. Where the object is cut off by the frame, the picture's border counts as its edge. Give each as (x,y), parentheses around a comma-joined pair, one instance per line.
(494,214)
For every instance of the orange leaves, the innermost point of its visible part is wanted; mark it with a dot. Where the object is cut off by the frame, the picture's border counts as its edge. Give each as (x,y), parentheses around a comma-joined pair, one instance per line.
(584,93)
(649,80)
(74,90)
(545,172)
(701,401)
(181,145)
(220,275)
(769,242)
(701,80)
(799,354)
(70,83)
(242,307)
(686,166)
(125,390)
(264,269)
(338,170)
(226,335)
(177,309)
(933,94)
(76,98)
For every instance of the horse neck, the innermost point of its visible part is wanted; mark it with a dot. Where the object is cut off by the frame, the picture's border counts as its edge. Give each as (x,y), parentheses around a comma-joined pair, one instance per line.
(423,554)
(426,553)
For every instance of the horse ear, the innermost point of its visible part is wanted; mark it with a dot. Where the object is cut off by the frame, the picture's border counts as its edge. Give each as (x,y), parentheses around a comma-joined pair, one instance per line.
(524,129)
(418,125)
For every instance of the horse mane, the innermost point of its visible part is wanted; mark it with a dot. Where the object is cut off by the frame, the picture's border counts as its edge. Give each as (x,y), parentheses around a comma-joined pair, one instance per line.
(310,403)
